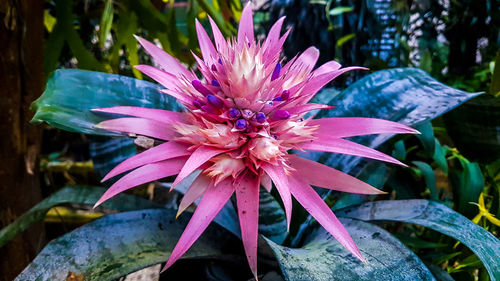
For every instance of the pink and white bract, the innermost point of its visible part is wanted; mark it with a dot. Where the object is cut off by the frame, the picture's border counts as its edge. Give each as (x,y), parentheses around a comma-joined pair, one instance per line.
(239,123)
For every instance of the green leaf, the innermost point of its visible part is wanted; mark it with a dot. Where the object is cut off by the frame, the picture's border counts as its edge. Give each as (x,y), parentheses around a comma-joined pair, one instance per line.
(48,21)
(429,178)
(108,153)
(323,258)
(399,151)
(118,244)
(70,94)
(440,156)
(340,10)
(272,220)
(72,194)
(426,136)
(342,40)
(106,22)
(495,78)
(406,95)
(467,185)
(437,217)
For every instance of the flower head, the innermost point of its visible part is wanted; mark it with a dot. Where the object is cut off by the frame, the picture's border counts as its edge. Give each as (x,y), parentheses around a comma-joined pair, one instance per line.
(241,119)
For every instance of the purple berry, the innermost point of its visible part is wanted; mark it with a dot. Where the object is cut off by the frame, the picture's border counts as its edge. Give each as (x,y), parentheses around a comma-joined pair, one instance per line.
(200,88)
(197,103)
(234,113)
(276,72)
(260,117)
(241,124)
(214,101)
(281,114)
(285,95)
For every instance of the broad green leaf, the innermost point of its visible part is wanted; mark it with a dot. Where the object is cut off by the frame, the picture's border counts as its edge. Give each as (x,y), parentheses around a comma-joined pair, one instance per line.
(429,178)
(108,153)
(272,220)
(323,258)
(106,22)
(340,10)
(440,156)
(467,185)
(70,95)
(399,151)
(76,195)
(437,217)
(406,95)
(427,136)
(118,244)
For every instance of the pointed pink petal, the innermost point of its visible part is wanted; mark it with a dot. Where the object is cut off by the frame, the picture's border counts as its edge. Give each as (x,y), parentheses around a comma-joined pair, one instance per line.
(323,176)
(166,79)
(326,68)
(139,126)
(199,157)
(266,182)
(160,115)
(297,110)
(319,81)
(181,97)
(207,48)
(220,41)
(280,179)
(313,203)
(161,152)
(247,200)
(342,127)
(307,60)
(144,174)
(347,147)
(274,35)
(194,192)
(166,61)
(245,30)
(212,202)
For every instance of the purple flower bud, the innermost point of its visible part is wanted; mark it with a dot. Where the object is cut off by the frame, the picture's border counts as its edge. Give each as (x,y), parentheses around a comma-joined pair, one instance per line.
(260,117)
(285,95)
(215,83)
(276,72)
(220,61)
(281,114)
(197,103)
(200,88)
(269,103)
(208,109)
(234,113)
(278,98)
(213,67)
(241,124)
(215,101)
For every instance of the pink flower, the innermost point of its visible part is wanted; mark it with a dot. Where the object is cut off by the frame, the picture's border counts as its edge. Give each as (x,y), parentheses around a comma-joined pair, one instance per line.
(240,122)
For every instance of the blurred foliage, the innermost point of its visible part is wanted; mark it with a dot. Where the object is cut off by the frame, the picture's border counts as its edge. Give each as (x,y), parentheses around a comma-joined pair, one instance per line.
(99,35)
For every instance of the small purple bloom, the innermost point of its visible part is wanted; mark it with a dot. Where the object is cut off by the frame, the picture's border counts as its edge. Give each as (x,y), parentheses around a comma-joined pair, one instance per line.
(200,88)
(260,117)
(276,72)
(215,101)
(213,67)
(278,98)
(215,83)
(234,113)
(197,103)
(285,95)
(281,114)
(241,124)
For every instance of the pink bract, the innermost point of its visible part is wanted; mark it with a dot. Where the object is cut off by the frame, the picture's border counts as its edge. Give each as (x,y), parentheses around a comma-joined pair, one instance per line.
(240,121)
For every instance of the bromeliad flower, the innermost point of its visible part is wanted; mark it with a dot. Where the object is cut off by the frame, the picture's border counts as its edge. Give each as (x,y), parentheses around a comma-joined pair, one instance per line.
(239,124)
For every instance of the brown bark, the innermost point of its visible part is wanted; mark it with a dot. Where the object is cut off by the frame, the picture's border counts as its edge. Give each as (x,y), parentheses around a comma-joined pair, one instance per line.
(21,81)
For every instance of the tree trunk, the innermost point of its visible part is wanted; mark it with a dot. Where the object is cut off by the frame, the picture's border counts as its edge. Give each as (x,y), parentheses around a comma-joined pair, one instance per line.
(21,81)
